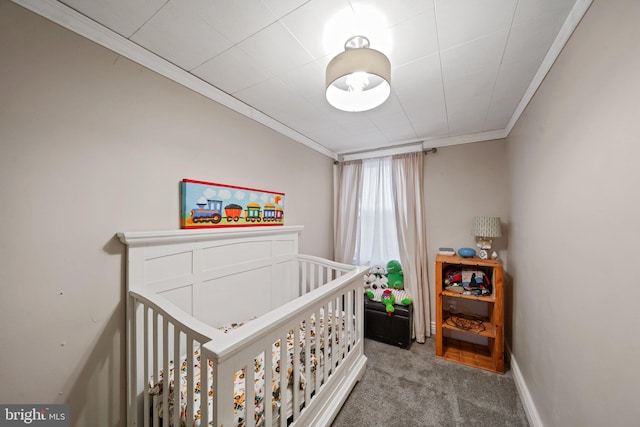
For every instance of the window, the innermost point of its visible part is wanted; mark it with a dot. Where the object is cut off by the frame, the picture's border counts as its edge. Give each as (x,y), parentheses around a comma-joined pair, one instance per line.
(377,238)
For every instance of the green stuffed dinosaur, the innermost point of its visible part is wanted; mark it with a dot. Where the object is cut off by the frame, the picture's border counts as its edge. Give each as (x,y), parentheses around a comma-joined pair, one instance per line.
(395,276)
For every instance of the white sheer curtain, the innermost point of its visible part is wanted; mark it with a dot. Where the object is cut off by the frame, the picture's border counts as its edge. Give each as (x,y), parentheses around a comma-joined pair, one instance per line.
(377,241)
(349,191)
(408,192)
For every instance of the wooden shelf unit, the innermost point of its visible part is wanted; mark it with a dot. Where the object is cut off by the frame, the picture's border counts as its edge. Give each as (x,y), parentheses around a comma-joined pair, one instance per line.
(488,357)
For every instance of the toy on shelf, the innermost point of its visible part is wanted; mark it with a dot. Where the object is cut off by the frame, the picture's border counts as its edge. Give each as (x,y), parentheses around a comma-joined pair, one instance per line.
(466,280)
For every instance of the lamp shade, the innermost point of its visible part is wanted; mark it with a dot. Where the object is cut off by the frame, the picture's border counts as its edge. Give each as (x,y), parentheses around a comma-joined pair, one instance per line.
(486,226)
(359,78)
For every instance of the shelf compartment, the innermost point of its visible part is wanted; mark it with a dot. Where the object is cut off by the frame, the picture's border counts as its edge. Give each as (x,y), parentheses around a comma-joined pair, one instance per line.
(486,330)
(470,354)
(487,298)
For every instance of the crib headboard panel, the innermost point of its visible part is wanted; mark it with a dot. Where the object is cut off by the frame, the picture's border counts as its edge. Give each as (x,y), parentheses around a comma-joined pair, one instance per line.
(241,273)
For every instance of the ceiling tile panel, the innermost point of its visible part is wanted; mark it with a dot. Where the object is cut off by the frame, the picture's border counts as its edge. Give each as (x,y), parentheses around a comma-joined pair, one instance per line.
(404,36)
(322,26)
(178,34)
(419,89)
(307,81)
(480,55)
(528,44)
(361,139)
(461,21)
(332,137)
(418,83)
(275,49)
(236,20)
(395,126)
(541,9)
(468,102)
(513,81)
(121,16)
(429,123)
(531,40)
(469,74)
(268,96)
(394,11)
(232,71)
(281,8)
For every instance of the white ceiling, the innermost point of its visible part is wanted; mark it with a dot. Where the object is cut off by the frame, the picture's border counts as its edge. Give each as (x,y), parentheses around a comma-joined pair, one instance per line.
(462,70)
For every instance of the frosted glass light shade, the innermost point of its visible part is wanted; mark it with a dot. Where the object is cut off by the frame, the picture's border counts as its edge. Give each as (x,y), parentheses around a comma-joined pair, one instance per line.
(486,226)
(358,79)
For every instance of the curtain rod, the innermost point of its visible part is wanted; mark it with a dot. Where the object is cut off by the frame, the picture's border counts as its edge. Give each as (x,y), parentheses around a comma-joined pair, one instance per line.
(381,152)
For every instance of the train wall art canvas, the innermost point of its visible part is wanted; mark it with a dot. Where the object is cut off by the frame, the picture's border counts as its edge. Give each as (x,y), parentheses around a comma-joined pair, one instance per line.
(208,205)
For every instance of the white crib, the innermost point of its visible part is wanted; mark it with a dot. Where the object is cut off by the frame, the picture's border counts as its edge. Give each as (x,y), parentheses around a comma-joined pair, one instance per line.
(185,284)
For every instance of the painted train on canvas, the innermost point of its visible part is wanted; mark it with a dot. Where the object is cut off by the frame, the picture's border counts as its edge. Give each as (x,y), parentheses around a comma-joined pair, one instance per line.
(207,204)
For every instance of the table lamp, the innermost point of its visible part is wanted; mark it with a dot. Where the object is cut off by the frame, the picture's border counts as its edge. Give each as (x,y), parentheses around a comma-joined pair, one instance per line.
(485,228)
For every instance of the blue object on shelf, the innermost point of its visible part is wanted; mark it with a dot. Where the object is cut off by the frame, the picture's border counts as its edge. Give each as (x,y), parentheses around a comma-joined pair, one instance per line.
(467,252)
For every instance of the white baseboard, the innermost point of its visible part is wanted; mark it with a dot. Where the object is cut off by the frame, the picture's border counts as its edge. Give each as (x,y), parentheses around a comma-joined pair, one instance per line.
(529,407)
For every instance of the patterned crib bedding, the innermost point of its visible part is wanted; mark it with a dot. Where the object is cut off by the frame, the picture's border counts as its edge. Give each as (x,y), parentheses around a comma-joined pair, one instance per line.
(156,387)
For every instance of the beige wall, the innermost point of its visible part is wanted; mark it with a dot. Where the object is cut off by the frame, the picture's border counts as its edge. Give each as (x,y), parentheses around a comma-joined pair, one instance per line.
(93,144)
(461,182)
(574,175)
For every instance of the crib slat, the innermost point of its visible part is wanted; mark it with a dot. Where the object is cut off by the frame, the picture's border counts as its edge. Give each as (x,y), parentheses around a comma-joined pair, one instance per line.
(325,332)
(267,403)
(156,357)
(295,389)
(133,308)
(304,284)
(250,393)
(349,327)
(145,363)
(318,350)
(359,318)
(341,325)
(177,386)
(205,416)
(312,277)
(320,272)
(165,369)
(307,360)
(223,392)
(335,350)
(190,379)
(284,400)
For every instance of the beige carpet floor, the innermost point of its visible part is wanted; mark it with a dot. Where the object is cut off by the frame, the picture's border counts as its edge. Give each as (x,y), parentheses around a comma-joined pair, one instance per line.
(413,388)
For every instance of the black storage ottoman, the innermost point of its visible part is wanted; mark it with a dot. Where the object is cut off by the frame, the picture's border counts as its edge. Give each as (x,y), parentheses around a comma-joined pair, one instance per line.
(394,329)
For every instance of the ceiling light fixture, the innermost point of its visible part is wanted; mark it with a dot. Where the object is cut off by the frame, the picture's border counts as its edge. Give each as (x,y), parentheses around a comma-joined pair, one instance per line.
(358,79)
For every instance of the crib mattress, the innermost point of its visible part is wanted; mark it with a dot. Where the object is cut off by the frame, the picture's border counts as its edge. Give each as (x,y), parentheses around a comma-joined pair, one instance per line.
(156,386)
